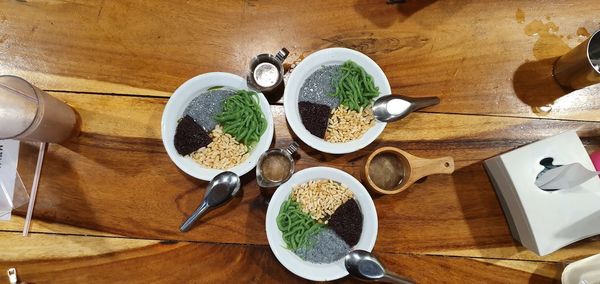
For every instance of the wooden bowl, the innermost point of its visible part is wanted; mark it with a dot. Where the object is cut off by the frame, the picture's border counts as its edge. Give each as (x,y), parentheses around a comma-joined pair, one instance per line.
(413,168)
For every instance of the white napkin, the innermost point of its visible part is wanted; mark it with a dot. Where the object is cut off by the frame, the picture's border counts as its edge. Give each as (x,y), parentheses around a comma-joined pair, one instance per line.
(565,176)
(9,153)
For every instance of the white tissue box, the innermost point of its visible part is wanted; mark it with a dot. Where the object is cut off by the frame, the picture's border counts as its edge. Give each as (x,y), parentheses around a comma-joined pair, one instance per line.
(545,221)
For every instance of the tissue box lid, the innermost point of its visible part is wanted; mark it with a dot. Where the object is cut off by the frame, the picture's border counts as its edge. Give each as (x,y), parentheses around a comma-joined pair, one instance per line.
(555,218)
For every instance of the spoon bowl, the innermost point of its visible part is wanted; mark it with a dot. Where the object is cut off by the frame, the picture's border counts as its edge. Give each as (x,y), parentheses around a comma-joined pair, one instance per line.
(221,189)
(365,266)
(394,107)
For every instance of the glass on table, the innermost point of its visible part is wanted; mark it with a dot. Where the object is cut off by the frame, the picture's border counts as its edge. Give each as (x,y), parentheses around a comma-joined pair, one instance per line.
(580,67)
(28,113)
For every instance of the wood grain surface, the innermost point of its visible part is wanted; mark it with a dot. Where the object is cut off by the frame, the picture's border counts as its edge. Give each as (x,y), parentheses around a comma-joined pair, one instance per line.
(117,178)
(182,262)
(484,57)
(111,201)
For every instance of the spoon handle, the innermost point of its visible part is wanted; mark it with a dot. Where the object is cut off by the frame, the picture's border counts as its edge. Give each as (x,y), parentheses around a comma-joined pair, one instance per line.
(203,208)
(395,278)
(419,103)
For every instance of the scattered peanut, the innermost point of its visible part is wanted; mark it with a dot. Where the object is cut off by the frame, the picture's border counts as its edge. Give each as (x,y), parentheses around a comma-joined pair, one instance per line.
(320,198)
(223,153)
(347,125)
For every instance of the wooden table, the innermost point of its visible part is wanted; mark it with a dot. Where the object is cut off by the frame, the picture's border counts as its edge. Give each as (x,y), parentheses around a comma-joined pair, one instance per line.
(111,201)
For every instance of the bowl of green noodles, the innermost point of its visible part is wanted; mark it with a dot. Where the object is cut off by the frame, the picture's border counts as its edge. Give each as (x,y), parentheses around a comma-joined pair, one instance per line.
(292,229)
(328,100)
(230,118)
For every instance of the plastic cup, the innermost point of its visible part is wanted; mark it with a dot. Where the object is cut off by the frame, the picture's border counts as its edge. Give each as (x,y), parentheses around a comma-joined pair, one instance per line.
(28,113)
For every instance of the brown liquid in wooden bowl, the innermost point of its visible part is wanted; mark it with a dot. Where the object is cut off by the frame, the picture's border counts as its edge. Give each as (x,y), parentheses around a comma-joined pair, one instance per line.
(386,170)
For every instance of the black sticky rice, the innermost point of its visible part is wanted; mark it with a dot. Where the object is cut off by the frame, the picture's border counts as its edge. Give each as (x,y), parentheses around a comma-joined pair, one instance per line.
(347,221)
(189,136)
(315,117)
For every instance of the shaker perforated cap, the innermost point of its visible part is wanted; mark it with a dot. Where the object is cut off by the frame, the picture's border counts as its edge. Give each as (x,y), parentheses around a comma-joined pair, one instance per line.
(18,106)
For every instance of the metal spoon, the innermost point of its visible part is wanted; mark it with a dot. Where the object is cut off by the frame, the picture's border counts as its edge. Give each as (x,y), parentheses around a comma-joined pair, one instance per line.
(220,190)
(365,266)
(393,107)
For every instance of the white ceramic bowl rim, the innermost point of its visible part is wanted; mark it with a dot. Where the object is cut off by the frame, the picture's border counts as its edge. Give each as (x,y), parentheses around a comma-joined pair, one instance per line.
(304,269)
(309,65)
(180,100)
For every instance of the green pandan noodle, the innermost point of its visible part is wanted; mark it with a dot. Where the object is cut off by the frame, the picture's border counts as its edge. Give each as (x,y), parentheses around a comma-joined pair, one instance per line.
(355,88)
(296,226)
(242,117)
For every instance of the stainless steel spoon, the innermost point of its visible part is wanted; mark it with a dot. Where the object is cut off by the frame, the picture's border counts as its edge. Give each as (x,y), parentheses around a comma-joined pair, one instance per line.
(220,190)
(393,107)
(365,266)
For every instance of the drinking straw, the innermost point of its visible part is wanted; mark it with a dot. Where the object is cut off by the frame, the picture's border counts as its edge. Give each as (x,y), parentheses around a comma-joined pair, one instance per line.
(34,187)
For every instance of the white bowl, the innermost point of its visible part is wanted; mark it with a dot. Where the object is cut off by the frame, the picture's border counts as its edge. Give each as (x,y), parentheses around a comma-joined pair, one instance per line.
(310,64)
(305,269)
(182,97)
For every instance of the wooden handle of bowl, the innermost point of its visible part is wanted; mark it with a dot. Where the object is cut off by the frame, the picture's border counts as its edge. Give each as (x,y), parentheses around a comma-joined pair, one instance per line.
(422,167)
(419,168)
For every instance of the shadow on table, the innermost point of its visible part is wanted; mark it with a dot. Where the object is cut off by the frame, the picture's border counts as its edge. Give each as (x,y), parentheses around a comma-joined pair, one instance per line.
(540,275)
(384,15)
(534,84)
(59,187)
(481,209)
(60,195)
(248,183)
